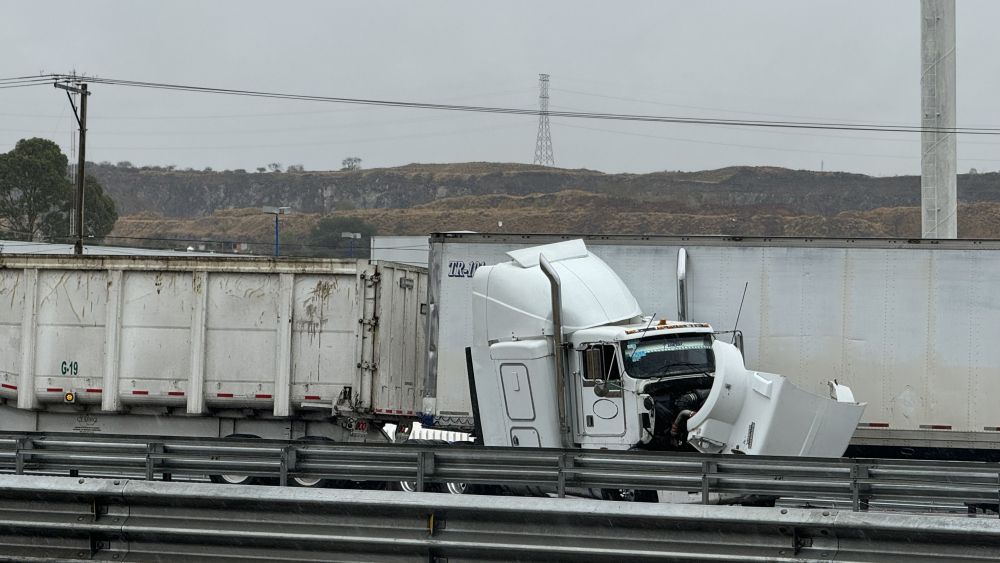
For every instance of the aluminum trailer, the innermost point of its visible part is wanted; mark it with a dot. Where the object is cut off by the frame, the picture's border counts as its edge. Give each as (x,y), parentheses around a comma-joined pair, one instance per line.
(909,325)
(210,346)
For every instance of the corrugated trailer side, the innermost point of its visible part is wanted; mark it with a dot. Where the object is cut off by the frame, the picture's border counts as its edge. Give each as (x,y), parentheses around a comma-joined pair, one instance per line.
(910,325)
(286,338)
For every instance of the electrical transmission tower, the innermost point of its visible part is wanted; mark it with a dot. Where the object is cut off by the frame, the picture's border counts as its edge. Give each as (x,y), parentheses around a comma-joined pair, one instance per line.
(543,144)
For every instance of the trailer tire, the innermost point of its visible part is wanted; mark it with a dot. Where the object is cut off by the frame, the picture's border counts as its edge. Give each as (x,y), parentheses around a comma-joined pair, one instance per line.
(234,479)
(319,482)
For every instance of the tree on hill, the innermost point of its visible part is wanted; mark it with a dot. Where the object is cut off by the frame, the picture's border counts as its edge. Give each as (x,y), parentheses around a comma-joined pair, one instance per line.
(351,163)
(36,198)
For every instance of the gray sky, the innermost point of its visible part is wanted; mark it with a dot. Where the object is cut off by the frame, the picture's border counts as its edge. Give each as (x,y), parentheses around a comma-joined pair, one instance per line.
(768,59)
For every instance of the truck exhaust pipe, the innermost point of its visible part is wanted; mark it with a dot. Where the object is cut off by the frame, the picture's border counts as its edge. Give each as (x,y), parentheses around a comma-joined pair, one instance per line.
(557,341)
(682,292)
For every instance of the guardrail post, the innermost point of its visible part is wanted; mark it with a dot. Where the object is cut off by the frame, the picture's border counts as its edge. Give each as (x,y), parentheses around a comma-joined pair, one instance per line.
(859,477)
(425,467)
(565,462)
(20,452)
(152,449)
(708,469)
(288,461)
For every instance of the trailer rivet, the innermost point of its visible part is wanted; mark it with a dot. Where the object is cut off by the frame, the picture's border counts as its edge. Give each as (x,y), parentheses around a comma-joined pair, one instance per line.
(784,511)
(80,481)
(826,513)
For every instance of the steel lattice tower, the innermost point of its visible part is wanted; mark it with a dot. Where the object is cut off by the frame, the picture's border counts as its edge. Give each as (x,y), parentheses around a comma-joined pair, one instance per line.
(543,144)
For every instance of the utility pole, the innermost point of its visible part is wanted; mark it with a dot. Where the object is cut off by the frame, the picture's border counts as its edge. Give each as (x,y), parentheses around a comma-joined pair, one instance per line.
(939,153)
(543,143)
(277,212)
(81,120)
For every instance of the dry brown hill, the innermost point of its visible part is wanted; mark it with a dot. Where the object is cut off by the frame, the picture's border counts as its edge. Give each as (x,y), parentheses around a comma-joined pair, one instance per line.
(563,212)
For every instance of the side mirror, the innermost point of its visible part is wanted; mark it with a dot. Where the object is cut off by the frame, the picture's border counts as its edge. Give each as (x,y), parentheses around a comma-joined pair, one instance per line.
(601,389)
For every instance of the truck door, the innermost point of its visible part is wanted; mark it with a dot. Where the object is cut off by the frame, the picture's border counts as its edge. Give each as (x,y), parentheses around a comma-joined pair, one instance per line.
(599,393)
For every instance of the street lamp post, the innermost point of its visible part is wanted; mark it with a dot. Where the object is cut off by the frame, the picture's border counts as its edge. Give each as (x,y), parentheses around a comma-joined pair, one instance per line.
(276,211)
(353,237)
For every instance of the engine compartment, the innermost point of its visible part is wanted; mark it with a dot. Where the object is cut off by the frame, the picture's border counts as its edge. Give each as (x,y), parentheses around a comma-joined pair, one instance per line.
(674,400)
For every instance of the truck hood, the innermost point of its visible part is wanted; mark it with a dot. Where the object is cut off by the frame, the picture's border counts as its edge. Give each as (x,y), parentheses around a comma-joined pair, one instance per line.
(760,413)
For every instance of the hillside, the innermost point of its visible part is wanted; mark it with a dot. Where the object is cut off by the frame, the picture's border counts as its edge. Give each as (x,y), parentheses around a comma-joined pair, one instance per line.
(565,212)
(421,198)
(173,193)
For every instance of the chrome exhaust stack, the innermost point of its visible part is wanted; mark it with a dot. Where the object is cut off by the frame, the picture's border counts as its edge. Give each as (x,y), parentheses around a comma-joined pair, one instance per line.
(682,290)
(557,341)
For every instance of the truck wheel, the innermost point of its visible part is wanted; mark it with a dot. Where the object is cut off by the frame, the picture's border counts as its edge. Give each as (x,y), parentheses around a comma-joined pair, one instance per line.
(411,486)
(628,495)
(458,488)
(235,479)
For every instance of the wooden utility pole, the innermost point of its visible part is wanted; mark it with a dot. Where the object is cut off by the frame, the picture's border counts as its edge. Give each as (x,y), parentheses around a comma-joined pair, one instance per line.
(81,119)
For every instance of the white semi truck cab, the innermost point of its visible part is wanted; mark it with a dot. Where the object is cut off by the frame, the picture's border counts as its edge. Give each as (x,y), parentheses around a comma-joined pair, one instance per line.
(563,356)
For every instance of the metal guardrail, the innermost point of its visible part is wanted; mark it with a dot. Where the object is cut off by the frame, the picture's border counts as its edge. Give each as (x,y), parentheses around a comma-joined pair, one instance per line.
(851,482)
(75,519)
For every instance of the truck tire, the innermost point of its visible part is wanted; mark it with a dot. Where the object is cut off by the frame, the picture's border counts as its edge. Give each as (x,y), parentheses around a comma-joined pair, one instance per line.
(629,495)
(411,486)
(233,479)
(458,488)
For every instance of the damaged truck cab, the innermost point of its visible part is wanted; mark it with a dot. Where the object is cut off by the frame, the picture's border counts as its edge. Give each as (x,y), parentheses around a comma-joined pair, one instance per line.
(563,357)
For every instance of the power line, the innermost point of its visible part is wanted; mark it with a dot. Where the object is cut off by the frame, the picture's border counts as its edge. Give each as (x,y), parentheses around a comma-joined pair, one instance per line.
(246,115)
(518,111)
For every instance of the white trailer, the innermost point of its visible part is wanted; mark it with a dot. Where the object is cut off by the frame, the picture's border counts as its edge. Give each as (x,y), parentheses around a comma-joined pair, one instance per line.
(909,325)
(206,346)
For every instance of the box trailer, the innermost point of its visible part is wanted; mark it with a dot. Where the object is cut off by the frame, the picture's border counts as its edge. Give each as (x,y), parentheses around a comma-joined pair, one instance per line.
(909,325)
(206,346)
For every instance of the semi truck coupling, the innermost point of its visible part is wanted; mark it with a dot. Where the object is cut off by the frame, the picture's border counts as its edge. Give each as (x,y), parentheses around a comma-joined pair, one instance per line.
(563,356)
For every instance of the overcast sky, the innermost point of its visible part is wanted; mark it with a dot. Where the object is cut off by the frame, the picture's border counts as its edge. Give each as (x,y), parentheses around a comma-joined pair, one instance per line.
(768,59)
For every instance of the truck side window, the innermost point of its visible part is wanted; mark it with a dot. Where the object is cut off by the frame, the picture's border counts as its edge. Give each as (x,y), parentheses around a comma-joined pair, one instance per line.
(601,363)
(611,370)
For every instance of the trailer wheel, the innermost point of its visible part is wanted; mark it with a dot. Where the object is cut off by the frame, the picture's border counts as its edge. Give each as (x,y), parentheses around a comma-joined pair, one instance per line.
(318,482)
(235,479)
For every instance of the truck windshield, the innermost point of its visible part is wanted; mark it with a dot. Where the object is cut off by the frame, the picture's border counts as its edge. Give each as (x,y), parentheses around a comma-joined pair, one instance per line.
(669,354)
